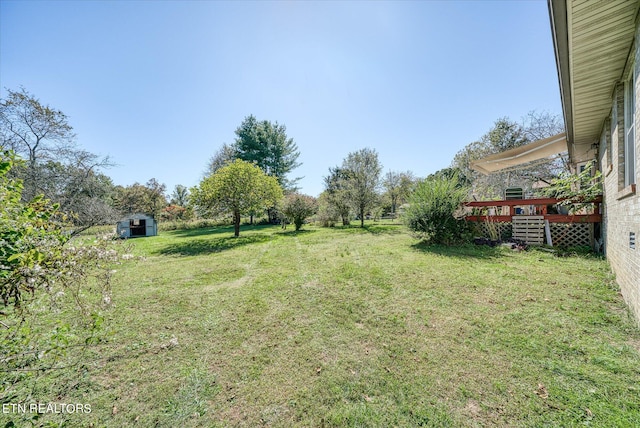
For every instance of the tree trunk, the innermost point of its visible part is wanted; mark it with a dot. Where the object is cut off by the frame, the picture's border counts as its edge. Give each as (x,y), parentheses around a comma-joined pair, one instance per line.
(361,218)
(236,223)
(345,220)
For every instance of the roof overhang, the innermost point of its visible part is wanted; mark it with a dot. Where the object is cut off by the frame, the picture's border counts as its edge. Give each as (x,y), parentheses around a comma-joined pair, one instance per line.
(592,42)
(528,153)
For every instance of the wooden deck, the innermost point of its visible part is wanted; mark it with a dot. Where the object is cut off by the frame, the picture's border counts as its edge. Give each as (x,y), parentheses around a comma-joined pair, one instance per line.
(505,210)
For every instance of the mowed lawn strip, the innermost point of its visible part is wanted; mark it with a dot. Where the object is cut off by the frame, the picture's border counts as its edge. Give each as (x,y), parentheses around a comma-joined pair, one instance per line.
(358,327)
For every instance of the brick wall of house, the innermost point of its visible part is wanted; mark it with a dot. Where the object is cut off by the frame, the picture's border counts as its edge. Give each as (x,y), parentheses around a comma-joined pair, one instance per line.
(622,208)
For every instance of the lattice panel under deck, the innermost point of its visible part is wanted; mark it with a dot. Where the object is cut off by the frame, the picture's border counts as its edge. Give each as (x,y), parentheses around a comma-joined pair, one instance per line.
(503,229)
(572,234)
(562,234)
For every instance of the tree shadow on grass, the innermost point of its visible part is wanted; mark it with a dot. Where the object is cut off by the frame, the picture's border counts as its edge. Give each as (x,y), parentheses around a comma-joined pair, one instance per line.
(196,247)
(376,229)
(294,233)
(187,233)
(384,229)
(463,251)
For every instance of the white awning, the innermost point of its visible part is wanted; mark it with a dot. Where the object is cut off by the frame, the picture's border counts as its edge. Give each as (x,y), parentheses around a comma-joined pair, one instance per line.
(520,155)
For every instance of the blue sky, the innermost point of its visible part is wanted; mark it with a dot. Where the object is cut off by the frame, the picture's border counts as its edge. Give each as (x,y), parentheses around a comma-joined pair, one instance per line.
(159,86)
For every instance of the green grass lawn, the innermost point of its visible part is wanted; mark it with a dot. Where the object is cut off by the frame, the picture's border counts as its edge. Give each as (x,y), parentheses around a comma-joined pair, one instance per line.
(356,327)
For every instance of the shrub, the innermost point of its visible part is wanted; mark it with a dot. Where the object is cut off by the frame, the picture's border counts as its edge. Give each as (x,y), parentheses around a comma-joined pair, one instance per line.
(327,215)
(46,277)
(433,208)
(298,207)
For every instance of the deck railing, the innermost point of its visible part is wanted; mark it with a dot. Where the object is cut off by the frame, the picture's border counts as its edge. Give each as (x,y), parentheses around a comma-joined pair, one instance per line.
(504,210)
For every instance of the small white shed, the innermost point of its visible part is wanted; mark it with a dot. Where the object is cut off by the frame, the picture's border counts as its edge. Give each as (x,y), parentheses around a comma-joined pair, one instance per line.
(136,225)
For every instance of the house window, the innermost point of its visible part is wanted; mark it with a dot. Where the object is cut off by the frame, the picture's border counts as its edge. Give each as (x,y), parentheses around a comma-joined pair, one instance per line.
(629,130)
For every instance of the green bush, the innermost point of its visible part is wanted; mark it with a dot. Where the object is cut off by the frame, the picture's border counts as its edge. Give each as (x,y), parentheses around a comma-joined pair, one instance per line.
(47,278)
(577,190)
(327,214)
(298,207)
(432,211)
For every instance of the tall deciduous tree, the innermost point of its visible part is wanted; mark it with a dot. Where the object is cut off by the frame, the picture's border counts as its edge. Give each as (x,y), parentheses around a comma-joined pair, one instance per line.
(156,199)
(138,198)
(83,193)
(130,199)
(362,170)
(227,153)
(180,195)
(398,186)
(55,166)
(538,125)
(504,135)
(541,124)
(336,191)
(36,132)
(238,188)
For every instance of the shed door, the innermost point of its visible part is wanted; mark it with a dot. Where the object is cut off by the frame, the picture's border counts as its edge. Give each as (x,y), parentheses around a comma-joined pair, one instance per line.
(138,227)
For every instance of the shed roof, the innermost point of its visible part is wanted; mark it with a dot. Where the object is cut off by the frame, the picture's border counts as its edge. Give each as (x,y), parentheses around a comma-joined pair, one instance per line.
(136,216)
